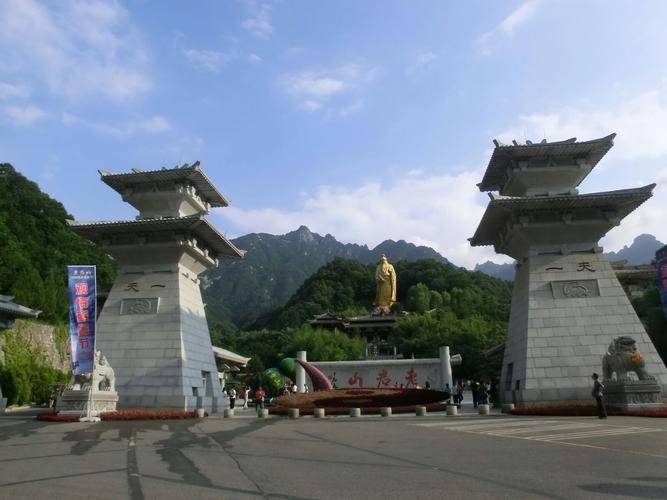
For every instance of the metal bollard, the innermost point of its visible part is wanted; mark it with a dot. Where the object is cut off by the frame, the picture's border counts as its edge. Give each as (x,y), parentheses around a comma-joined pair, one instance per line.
(263,413)
(452,410)
(293,413)
(229,412)
(385,411)
(355,412)
(484,409)
(420,411)
(318,413)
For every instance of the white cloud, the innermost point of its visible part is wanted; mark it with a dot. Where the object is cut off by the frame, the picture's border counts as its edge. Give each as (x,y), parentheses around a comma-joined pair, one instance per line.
(509,25)
(9,91)
(260,24)
(254,58)
(315,88)
(78,50)
(422,62)
(648,218)
(640,122)
(211,60)
(438,211)
(24,115)
(153,125)
(639,155)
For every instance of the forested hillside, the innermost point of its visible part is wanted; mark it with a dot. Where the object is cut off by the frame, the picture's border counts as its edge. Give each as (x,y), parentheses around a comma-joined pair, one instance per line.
(447,306)
(274,266)
(36,245)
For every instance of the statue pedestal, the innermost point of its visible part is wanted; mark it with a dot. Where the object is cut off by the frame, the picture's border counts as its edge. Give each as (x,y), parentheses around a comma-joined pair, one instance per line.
(75,402)
(628,394)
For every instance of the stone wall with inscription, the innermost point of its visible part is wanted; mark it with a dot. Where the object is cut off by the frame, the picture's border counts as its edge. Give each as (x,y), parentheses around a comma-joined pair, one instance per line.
(575,306)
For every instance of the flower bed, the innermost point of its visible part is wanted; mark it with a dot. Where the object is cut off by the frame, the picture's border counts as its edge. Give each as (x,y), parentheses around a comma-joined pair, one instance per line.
(128,414)
(360,398)
(365,410)
(584,411)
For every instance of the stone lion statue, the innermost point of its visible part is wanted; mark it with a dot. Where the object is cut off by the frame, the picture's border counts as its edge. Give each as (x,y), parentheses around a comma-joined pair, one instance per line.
(623,357)
(103,376)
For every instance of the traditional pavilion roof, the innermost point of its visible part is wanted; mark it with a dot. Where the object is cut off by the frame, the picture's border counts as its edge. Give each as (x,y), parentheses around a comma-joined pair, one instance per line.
(501,208)
(230,356)
(190,173)
(196,224)
(504,155)
(10,308)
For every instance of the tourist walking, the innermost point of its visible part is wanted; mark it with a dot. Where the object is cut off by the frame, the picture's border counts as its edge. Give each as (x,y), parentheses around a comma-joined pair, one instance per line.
(459,394)
(597,393)
(259,399)
(232,397)
(246,393)
(448,393)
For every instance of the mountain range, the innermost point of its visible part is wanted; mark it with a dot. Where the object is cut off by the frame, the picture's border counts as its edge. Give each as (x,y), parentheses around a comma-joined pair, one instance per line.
(641,251)
(275,266)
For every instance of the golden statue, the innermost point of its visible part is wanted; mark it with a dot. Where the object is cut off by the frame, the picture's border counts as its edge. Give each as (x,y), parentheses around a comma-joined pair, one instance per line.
(385,293)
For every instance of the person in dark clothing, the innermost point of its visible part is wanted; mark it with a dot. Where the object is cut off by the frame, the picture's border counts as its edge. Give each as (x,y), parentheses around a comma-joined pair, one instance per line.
(597,393)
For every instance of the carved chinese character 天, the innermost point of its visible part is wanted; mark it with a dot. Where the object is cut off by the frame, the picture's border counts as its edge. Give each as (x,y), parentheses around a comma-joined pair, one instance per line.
(585,266)
(132,287)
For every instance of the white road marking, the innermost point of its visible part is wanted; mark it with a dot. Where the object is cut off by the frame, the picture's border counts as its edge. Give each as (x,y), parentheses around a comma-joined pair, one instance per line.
(536,429)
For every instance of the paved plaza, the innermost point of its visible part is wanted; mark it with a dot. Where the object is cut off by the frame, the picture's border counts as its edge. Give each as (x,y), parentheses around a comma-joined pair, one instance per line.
(468,456)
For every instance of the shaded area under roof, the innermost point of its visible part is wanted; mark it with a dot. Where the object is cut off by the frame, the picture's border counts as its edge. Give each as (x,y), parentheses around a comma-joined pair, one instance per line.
(226,355)
(10,308)
(500,208)
(190,173)
(503,155)
(196,224)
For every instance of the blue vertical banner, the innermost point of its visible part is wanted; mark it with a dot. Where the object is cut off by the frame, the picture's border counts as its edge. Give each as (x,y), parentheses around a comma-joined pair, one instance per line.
(82,314)
(661,264)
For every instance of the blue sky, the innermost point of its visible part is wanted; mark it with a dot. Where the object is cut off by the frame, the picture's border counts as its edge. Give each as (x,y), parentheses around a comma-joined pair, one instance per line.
(364,119)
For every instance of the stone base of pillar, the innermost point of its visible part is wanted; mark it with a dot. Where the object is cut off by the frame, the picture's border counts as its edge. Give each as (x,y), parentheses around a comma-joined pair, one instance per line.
(77,402)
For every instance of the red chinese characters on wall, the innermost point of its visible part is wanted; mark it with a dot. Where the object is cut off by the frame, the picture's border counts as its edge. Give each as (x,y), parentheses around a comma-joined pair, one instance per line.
(355,380)
(383,379)
(411,378)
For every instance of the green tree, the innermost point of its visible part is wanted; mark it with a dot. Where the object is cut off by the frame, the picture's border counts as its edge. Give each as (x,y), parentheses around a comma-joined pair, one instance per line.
(418,298)
(326,345)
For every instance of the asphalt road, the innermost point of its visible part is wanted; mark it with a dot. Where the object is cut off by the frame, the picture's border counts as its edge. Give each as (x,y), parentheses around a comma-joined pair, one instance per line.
(402,457)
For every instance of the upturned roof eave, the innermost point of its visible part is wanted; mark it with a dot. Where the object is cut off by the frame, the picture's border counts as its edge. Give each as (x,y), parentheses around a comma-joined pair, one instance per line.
(502,154)
(196,223)
(193,173)
(501,207)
